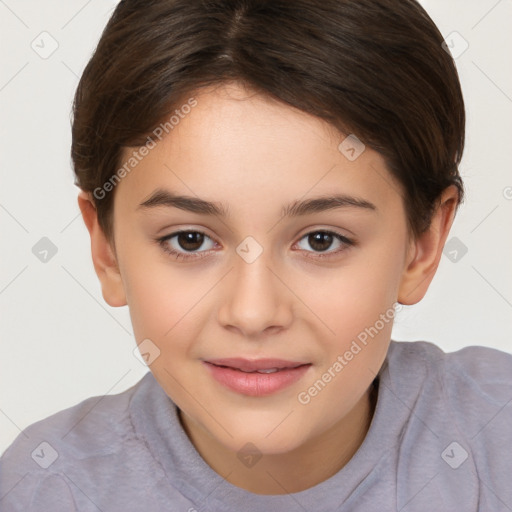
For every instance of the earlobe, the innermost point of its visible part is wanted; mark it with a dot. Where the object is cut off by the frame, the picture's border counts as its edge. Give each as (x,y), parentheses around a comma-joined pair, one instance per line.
(425,252)
(103,256)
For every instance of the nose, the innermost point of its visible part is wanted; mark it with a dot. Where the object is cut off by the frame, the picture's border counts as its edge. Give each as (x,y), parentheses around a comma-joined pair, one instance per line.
(255,300)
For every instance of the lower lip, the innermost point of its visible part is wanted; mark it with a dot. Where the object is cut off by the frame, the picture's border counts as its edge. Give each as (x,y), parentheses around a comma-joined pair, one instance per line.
(256,384)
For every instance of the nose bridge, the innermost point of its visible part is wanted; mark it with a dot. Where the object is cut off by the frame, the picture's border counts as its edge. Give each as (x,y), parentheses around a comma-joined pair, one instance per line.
(256,298)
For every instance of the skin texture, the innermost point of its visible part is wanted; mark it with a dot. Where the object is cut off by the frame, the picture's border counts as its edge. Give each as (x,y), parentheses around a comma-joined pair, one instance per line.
(255,155)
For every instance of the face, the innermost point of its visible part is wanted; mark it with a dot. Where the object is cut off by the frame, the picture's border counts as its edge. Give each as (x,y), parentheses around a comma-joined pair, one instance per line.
(258,274)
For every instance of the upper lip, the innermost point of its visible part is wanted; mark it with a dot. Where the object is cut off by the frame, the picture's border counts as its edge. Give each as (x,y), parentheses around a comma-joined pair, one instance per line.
(249,365)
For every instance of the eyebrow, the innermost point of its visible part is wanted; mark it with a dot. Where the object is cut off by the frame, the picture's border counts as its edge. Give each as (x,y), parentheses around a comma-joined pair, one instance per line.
(297,208)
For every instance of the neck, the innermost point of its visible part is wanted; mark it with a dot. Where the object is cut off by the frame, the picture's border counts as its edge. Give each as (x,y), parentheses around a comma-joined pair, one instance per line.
(306,466)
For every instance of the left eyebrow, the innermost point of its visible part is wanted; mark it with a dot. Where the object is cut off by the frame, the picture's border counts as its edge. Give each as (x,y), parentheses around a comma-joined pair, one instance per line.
(297,208)
(320,204)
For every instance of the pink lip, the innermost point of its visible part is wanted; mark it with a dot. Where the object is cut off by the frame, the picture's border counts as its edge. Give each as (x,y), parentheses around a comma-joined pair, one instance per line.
(231,373)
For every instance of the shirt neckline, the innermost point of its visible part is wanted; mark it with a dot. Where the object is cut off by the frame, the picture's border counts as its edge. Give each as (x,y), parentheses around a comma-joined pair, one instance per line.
(155,419)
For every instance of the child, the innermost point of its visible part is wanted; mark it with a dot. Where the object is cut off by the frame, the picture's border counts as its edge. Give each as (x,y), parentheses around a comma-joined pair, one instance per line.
(265,183)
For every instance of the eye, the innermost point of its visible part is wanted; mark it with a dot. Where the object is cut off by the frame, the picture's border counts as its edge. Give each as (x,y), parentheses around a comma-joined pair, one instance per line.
(322,240)
(184,244)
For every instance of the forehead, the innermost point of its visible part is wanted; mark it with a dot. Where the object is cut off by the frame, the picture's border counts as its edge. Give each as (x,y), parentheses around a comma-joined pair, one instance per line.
(247,150)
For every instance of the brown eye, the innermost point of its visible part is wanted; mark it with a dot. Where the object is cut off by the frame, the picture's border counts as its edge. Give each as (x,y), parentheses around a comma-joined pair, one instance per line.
(190,240)
(321,241)
(186,244)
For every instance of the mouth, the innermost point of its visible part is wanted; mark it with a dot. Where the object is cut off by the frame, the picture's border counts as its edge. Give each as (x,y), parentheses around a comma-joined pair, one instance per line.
(258,377)
(266,365)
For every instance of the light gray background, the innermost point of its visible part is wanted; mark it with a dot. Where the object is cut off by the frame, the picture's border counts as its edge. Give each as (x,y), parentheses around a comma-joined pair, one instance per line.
(61,343)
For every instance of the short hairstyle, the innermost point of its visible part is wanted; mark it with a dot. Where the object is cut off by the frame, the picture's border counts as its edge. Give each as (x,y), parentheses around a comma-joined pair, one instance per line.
(376,69)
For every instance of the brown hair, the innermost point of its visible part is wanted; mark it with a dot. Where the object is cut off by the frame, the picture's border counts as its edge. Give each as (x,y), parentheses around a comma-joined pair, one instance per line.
(373,68)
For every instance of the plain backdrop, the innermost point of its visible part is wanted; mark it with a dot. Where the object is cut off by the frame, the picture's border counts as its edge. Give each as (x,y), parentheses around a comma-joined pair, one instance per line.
(60,343)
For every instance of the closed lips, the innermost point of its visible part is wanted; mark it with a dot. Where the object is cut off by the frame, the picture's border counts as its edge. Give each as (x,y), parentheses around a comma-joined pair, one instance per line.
(256,377)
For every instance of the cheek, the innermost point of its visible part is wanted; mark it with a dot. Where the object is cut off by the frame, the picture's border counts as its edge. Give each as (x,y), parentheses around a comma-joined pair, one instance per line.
(358,306)
(162,299)
(357,295)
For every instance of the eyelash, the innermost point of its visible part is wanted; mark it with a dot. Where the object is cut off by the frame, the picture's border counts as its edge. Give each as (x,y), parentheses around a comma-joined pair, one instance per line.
(199,255)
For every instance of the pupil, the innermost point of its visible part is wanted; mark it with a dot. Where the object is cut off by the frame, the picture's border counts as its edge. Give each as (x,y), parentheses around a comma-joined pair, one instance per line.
(190,240)
(320,241)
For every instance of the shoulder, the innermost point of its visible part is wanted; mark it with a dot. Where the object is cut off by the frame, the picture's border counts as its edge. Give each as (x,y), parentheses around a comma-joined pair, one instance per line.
(35,464)
(468,391)
(484,367)
(90,426)
(472,385)
(458,426)
(478,388)
(488,367)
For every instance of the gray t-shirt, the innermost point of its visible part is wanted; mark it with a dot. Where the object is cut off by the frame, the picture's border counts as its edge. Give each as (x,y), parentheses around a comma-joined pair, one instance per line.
(440,440)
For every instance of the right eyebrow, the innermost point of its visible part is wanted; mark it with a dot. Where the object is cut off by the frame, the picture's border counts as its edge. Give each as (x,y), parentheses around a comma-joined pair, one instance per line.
(192,204)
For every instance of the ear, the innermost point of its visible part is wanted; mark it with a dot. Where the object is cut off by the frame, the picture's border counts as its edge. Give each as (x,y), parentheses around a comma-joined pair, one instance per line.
(425,252)
(103,255)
